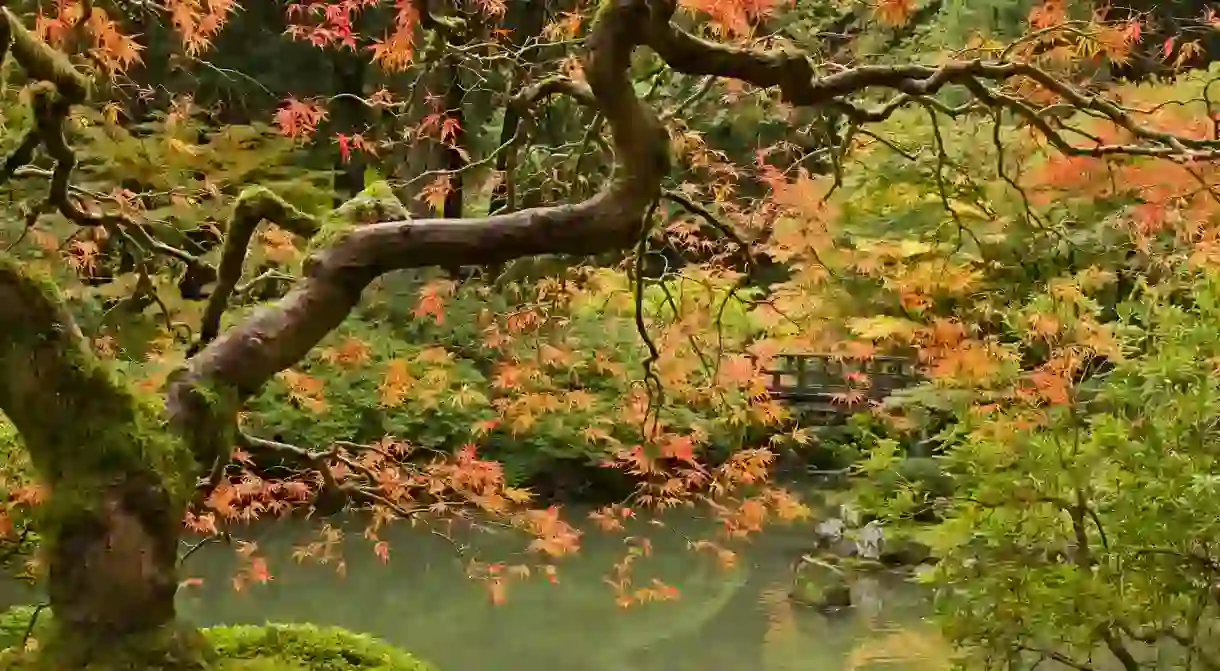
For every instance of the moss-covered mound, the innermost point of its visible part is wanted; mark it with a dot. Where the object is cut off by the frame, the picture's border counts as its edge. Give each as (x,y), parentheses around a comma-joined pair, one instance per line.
(305,647)
(15,621)
(272,647)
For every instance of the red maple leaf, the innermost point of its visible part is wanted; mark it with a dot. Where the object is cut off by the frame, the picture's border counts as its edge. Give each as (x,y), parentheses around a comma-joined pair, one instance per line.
(297,118)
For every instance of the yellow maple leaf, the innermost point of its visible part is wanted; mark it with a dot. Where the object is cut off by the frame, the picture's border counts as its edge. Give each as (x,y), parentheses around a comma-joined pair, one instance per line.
(882,327)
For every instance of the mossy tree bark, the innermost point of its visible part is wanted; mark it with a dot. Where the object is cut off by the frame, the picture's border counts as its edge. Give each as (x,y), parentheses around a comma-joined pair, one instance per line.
(118,480)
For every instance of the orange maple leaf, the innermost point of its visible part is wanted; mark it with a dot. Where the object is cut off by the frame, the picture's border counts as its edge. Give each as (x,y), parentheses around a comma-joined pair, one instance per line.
(299,118)
(893,12)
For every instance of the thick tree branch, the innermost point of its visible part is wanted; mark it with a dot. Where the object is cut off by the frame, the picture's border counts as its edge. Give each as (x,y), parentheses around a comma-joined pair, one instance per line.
(49,372)
(242,359)
(68,406)
(119,480)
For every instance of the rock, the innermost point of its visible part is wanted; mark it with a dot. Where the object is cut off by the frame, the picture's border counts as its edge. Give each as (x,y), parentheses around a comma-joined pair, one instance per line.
(831,529)
(869,540)
(821,585)
(824,597)
(904,552)
(835,597)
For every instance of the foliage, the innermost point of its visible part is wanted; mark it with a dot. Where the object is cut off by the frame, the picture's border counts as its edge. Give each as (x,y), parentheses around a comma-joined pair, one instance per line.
(1079,377)
(15,621)
(536,375)
(1105,503)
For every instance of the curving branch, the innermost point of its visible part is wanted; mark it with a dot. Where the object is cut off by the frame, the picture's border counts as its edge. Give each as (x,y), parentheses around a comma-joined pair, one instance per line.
(796,76)
(256,205)
(45,359)
(242,359)
(253,206)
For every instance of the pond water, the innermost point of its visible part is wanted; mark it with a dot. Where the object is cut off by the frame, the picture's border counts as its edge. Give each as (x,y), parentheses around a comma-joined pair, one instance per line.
(422,600)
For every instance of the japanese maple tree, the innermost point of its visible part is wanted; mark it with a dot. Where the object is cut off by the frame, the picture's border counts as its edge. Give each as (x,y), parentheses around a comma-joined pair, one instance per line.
(124,464)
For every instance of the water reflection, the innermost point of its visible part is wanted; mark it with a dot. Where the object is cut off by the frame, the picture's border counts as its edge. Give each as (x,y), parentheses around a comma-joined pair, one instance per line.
(422,600)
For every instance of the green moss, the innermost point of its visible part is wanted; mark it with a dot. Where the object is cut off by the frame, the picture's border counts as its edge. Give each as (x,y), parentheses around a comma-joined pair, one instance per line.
(272,647)
(84,427)
(256,203)
(376,203)
(166,649)
(302,646)
(41,61)
(211,432)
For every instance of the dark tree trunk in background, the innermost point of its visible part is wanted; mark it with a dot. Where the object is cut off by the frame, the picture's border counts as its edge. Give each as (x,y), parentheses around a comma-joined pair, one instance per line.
(454,161)
(524,23)
(350,118)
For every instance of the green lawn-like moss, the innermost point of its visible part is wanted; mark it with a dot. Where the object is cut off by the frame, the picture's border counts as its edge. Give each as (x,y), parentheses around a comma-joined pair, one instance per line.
(277,647)
(271,647)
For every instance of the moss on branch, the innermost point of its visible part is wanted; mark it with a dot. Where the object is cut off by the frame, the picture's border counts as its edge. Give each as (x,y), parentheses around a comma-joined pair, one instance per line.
(40,60)
(58,85)
(82,425)
(376,203)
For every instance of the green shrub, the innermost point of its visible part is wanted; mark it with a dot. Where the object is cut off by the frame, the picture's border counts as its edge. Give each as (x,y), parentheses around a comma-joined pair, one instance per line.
(15,621)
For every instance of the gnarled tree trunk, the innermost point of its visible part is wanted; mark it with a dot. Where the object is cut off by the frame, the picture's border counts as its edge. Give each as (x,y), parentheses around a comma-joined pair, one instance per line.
(118,481)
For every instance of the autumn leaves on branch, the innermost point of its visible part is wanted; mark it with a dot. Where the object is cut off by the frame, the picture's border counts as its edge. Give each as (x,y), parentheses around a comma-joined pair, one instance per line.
(243,358)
